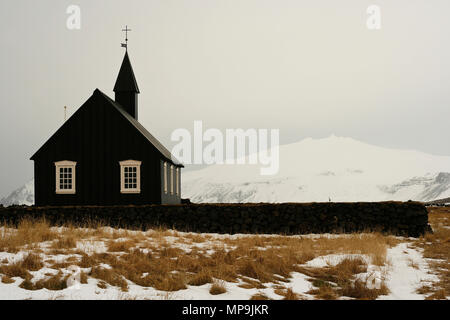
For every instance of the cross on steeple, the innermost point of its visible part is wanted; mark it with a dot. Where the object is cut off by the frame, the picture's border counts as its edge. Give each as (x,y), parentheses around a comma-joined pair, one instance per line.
(125,45)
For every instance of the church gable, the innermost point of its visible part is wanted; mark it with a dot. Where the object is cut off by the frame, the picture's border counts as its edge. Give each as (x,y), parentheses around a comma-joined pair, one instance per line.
(100,118)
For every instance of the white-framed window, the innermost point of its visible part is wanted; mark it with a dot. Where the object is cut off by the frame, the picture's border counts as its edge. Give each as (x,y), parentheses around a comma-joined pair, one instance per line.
(171,179)
(65,177)
(165,177)
(130,176)
(178,181)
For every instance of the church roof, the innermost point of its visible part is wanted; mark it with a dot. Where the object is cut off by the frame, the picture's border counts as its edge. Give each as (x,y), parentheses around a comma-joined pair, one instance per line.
(166,153)
(126,81)
(139,128)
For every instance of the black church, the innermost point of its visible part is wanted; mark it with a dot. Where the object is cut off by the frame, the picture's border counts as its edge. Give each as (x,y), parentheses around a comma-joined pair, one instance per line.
(102,155)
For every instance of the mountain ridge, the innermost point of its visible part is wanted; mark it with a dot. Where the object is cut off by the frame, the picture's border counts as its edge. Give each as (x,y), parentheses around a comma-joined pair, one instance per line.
(334,168)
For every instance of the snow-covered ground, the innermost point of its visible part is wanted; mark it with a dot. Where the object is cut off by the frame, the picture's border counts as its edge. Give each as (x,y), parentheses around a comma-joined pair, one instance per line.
(406,271)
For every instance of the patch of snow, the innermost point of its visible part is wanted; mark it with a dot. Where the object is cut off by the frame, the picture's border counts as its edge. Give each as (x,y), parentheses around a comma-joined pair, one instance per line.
(409,270)
(90,247)
(300,284)
(334,259)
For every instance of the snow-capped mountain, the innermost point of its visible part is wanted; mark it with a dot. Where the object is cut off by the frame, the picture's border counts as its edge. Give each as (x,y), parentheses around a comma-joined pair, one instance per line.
(333,168)
(23,195)
(336,168)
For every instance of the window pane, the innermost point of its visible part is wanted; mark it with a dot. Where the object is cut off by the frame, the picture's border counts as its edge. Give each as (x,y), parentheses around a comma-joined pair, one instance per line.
(129,177)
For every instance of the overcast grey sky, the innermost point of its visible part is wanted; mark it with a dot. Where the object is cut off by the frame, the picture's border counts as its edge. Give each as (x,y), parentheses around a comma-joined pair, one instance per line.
(308,67)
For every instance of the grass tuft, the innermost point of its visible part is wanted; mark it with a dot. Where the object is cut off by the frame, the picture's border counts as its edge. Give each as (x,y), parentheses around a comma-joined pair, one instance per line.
(201,278)
(218,287)
(259,296)
(7,280)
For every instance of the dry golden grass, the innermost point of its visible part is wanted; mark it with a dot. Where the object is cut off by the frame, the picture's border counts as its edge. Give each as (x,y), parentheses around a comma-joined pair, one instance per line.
(32,262)
(195,237)
(336,281)
(288,294)
(120,246)
(440,294)
(102,284)
(28,232)
(55,282)
(218,287)
(27,285)
(201,278)
(151,259)
(338,274)
(83,278)
(109,276)
(7,280)
(250,283)
(359,290)
(61,265)
(436,245)
(259,296)
(170,252)
(68,241)
(324,293)
(15,270)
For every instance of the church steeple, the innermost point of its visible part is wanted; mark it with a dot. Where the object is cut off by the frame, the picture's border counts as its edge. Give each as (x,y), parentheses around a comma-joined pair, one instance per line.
(126,88)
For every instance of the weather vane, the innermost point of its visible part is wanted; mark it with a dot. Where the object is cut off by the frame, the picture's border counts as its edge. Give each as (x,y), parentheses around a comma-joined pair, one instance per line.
(125,45)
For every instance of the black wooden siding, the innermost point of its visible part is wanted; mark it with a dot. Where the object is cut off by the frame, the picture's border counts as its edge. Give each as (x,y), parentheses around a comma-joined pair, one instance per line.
(97,137)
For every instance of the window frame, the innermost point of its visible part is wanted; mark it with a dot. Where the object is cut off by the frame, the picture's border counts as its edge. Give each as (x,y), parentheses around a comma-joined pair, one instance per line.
(165,178)
(61,165)
(171,180)
(177,185)
(127,164)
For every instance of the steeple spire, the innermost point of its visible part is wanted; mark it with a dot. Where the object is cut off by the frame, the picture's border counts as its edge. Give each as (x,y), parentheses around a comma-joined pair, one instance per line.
(126,88)
(126,81)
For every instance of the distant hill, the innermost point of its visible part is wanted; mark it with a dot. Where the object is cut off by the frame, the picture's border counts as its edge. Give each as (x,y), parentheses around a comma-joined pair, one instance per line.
(336,168)
(439,201)
(22,195)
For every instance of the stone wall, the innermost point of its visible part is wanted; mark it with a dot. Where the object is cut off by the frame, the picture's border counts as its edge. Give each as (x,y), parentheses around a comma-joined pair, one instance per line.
(399,218)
